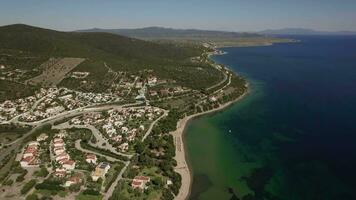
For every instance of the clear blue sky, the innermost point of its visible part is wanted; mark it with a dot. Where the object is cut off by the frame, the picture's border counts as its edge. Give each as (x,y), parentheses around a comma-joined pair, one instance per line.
(234,15)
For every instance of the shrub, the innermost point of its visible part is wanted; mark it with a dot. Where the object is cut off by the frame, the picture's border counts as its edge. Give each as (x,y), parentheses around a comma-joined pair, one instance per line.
(28,186)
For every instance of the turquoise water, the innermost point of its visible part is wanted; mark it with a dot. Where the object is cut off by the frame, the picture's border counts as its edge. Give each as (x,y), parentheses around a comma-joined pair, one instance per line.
(293,136)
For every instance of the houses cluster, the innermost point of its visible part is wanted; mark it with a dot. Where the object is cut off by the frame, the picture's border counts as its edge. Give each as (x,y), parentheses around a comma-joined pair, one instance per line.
(51,102)
(167,91)
(61,156)
(11,75)
(120,126)
(79,75)
(12,108)
(30,155)
(117,128)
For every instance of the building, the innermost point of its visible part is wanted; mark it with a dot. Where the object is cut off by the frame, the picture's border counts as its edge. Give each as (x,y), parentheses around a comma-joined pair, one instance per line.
(69,165)
(30,161)
(60,172)
(90,158)
(100,171)
(72,181)
(140,182)
(42,137)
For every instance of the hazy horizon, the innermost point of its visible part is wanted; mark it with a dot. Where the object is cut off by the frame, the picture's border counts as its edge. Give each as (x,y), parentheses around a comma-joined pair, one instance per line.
(228,15)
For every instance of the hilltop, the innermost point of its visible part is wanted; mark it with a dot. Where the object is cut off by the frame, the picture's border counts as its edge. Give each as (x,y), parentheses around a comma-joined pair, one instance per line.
(27,47)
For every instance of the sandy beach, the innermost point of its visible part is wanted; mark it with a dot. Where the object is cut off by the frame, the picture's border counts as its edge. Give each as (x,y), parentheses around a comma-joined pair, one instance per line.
(182,166)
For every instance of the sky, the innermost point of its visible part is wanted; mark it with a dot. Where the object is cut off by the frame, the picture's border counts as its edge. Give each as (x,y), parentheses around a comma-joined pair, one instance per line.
(229,15)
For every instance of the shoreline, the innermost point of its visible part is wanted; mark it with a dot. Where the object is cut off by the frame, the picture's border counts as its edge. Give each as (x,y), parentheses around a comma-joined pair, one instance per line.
(181,156)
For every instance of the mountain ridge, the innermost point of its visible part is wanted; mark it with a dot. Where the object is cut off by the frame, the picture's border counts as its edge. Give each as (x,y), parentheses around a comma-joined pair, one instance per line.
(304,31)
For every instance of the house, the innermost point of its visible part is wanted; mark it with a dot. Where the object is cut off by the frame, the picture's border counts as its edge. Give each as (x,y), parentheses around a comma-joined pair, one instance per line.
(60,172)
(59,150)
(69,165)
(42,137)
(30,152)
(33,144)
(152,80)
(140,182)
(62,134)
(58,144)
(62,156)
(124,147)
(164,92)
(100,171)
(72,181)
(91,158)
(30,161)
(153,93)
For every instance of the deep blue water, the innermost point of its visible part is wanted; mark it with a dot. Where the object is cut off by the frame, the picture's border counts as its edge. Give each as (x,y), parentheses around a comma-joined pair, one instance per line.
(299,121)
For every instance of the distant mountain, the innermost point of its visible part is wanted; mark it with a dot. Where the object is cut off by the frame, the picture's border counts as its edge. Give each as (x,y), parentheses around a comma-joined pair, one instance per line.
(170,33)
(302,31)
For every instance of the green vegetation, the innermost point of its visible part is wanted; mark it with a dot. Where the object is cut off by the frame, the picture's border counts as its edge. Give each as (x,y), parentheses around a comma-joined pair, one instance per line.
(28,186)
(85,145)
(43,172)
(168,61)
(112,174)
(51,185)
(32,197)
(88,197)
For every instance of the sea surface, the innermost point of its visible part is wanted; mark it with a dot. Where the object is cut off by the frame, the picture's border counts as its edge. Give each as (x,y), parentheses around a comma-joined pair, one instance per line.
(293,137)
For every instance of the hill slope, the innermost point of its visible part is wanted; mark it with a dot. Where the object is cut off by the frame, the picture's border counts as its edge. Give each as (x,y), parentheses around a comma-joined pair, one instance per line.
(26,47)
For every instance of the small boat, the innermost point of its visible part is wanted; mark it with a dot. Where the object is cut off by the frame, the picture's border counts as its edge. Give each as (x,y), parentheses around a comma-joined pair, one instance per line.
(230,131)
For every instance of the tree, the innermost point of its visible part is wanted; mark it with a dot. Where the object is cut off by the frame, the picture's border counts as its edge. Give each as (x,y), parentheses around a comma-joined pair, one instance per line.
(32,197)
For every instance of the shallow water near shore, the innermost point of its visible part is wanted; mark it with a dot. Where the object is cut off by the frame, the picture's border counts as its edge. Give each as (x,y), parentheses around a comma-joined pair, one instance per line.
(293,136)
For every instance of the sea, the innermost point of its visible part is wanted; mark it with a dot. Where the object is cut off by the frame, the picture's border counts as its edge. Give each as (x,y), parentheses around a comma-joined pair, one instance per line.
(293,137)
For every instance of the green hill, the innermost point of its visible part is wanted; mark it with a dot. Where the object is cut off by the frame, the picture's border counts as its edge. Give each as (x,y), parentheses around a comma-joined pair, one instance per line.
(26,47)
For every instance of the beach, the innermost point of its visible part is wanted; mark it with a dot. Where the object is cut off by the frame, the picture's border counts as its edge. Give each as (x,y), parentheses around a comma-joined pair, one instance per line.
(182,165)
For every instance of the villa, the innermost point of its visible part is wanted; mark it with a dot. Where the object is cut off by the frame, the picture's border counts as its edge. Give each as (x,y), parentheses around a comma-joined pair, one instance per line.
(140,182)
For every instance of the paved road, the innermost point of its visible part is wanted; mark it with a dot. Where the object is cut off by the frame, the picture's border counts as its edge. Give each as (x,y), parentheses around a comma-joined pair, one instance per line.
(152,125)
(108,194)
(39,124)
(79,147)
(99,137)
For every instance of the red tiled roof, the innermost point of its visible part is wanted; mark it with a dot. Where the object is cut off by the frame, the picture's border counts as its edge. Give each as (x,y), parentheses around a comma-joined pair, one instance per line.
(142,178)
(69,162)
(136,183)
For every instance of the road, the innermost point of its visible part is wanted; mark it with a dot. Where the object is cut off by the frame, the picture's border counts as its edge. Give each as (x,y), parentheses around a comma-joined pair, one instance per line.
(79,147)
(108,194)
(39,124)
(152,125)
(102,142)
(80,111)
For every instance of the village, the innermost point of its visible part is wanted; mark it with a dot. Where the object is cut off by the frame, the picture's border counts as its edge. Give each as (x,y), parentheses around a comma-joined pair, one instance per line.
(87,144)
(91,150)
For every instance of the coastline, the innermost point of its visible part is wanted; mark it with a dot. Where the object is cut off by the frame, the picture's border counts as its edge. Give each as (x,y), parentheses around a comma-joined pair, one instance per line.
(183,167)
